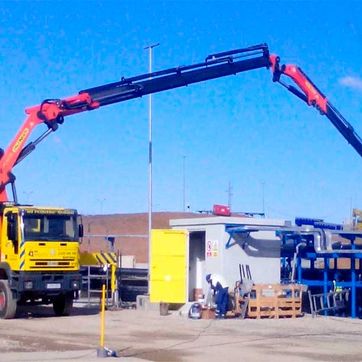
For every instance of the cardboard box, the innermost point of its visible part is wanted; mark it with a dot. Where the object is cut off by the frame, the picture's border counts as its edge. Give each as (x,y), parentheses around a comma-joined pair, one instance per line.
(208,313)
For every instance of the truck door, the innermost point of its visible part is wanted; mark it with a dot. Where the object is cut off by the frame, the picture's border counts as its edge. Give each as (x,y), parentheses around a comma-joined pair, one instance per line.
(10,238)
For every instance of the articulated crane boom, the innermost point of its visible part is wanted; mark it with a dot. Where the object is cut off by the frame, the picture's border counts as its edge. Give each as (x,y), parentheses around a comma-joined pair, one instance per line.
(52,112)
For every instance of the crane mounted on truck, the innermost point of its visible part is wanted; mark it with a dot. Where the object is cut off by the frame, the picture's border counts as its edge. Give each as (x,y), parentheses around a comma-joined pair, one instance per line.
(39,247)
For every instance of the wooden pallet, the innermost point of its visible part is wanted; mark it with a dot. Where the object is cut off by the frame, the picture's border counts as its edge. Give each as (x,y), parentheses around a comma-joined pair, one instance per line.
(275,301)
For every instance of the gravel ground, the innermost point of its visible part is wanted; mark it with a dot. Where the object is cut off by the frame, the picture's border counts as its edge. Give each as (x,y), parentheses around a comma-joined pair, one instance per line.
(147,336)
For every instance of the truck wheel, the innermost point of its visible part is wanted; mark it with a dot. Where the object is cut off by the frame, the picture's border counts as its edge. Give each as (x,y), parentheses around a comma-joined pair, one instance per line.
(7,302)
(62,305)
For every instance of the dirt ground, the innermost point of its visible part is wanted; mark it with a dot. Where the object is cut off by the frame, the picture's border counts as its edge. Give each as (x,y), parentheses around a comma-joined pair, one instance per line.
(147,336)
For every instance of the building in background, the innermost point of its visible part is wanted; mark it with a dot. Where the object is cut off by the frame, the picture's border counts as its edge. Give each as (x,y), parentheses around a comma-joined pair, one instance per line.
(220,244)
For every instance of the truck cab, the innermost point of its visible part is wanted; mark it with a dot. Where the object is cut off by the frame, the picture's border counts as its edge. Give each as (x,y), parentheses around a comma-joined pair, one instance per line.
(39,257)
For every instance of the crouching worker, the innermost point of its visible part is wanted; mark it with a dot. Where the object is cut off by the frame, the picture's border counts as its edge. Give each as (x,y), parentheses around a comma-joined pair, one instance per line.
(221,291)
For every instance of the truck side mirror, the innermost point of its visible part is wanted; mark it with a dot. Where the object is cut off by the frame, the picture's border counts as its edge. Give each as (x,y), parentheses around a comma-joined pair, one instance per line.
(80,230)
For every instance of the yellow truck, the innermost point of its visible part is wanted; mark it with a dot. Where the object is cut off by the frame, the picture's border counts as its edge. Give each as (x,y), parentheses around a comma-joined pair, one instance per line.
(39,260)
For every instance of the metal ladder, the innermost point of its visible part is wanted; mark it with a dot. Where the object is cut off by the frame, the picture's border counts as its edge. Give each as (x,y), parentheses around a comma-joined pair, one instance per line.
(328,302)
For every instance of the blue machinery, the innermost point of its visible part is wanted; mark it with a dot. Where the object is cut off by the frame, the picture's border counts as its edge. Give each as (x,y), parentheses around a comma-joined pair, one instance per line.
(318,255)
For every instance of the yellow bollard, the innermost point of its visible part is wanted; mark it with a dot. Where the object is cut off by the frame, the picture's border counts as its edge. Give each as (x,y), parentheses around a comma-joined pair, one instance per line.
(102,315)
(113,278)
(101,351)
(115,296)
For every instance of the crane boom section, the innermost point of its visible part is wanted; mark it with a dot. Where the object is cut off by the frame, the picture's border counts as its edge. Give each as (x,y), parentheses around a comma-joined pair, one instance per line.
(173,78)
(310,94)
(51,112)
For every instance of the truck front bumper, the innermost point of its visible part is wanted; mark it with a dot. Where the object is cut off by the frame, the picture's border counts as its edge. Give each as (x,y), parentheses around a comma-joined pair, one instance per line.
(44,284)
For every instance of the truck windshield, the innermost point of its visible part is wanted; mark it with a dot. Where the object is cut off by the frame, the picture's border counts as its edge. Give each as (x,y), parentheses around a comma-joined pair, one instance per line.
(50,227)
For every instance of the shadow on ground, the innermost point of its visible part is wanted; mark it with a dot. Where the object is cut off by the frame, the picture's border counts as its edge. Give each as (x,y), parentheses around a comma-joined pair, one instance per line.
(41,311)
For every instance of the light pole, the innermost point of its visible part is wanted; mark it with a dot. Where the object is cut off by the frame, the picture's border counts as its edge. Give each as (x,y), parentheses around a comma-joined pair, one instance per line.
(263,196)
(27,194)
(230,194)
(101,201)
(183,183)
(89,232)
(150,56)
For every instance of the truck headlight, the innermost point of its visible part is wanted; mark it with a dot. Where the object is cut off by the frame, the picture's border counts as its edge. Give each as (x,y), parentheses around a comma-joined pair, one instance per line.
(75,284)
(28,285)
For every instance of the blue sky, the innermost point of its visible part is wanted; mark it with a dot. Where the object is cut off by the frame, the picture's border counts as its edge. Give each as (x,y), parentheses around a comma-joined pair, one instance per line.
(243,130)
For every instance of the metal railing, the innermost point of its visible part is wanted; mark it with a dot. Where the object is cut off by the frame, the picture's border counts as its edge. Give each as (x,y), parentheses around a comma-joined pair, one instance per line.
(94,284)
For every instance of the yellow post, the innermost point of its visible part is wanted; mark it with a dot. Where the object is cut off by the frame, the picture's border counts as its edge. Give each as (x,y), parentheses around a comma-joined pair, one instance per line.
(113,278)
(102,316)
(114,285)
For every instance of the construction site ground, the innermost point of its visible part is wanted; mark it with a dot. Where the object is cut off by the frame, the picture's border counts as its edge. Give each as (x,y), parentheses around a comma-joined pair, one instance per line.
(137,335)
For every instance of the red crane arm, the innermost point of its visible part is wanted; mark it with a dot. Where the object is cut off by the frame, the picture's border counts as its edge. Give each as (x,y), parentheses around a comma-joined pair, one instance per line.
(310,94)
(50,112)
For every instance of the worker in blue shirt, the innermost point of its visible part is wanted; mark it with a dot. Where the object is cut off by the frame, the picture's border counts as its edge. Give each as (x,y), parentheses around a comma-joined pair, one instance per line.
(221,290)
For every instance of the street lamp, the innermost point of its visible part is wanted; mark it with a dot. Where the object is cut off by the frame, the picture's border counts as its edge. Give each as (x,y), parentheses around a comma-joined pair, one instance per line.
(183,183)
(101,202)
(27,194)
(263,196)
(150,54)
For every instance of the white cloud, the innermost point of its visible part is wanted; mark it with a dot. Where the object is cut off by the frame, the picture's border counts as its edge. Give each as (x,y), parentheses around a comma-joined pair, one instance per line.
(352,82)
